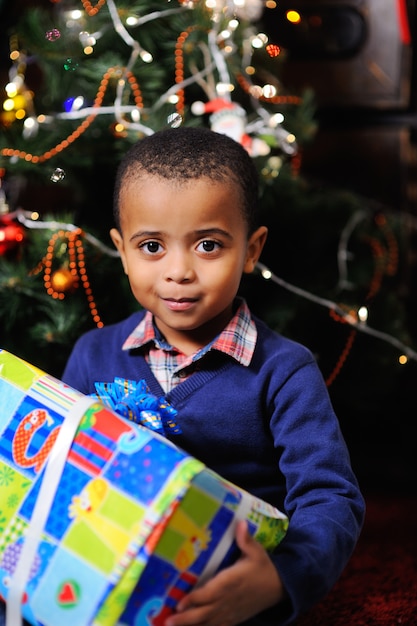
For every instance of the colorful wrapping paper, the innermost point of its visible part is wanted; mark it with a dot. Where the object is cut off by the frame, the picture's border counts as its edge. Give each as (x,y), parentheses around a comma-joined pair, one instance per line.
(102,520)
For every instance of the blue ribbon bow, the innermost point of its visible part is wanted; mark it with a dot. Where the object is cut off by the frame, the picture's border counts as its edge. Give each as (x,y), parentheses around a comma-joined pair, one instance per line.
(132,400)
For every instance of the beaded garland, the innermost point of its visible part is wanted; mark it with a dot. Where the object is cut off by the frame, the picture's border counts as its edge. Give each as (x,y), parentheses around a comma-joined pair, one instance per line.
(76,266)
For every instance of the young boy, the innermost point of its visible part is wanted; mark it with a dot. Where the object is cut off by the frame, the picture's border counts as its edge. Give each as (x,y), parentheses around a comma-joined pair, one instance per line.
(252,405)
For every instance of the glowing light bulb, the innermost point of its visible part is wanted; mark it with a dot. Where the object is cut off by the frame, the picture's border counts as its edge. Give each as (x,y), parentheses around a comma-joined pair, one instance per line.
(224,88)
(276,119)
(294,17)
(363,314)
(259,41)
(132,20)
(8,104)
(146,56)
(135,115)
(269,91)
(30,123)
(11,89)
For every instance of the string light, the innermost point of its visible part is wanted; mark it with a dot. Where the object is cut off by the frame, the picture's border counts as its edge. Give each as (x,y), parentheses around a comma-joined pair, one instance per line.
(64,144)
(338,311)
(276,99)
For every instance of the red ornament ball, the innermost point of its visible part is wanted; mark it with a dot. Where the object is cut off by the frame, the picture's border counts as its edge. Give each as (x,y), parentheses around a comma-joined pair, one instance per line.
(11,235)
(273,50)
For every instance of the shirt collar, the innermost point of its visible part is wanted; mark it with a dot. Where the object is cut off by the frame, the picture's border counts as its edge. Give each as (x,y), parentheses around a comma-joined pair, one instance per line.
(237,339)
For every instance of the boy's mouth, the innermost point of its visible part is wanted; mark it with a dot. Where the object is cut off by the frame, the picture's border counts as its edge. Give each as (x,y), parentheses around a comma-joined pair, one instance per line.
(180,304)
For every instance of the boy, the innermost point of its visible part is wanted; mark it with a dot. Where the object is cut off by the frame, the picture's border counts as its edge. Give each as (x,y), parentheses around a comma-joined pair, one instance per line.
(251,404)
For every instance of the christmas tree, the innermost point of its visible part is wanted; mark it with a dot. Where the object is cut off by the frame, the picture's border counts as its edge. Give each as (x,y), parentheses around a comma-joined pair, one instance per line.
(82,82)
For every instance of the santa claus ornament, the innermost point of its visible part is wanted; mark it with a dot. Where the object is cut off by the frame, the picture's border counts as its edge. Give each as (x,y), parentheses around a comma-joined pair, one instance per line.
(229,118)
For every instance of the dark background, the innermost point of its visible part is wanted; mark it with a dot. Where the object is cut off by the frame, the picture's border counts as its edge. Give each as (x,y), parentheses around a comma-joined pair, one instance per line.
(361,65)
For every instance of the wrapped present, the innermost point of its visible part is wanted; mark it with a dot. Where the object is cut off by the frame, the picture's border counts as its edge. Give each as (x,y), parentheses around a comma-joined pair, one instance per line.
(104,521)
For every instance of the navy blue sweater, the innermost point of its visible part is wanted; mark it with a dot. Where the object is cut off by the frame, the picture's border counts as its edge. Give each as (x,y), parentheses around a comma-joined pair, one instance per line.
(269,428)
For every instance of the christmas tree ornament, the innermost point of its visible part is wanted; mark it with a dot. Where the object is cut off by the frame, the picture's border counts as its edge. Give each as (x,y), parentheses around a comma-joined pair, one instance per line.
(11,232)
(72,270)
(273,50)
(70,65)
(57,175)
(11,235)
(53,34)
(229,118)
(174,120)
(62,280)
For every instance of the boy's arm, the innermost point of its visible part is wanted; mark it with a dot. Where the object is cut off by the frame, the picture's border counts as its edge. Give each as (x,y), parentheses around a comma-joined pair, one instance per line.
(323,501)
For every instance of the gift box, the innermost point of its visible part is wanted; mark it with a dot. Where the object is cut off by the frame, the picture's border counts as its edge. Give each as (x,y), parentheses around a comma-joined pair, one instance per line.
(104,521)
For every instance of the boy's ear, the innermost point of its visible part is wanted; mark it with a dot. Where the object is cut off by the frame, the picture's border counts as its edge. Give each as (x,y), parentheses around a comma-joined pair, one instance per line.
(254,248)
(118,242)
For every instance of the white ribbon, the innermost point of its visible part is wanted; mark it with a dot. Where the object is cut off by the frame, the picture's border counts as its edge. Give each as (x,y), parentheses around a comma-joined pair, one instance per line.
(227,539)
(52,475)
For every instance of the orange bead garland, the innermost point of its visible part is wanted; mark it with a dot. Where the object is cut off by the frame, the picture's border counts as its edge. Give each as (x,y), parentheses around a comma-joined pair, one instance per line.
(179,67)
(21,154)
(76,268)
(245,85)
(342,358)
(93,10)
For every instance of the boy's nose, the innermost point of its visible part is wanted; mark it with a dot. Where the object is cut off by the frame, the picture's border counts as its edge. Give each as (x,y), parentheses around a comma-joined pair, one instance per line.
(179,268)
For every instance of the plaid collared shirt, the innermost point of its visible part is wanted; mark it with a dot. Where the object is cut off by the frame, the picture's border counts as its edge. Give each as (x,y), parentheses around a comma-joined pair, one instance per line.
(170,366)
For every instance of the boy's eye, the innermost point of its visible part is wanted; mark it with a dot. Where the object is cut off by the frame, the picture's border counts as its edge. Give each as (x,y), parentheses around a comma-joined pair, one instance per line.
(151,247)
(208,245)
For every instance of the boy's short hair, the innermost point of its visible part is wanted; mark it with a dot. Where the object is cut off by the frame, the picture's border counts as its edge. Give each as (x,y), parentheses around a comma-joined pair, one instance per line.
(186,153)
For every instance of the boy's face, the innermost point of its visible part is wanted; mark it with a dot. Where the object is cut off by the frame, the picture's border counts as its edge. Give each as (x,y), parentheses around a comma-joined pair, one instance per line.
(184,247)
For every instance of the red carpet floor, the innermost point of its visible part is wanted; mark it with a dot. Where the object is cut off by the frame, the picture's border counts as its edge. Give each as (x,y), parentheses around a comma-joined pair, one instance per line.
(379,585)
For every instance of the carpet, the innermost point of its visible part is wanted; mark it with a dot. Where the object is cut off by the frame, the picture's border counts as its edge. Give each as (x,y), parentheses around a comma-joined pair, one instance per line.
(379,584)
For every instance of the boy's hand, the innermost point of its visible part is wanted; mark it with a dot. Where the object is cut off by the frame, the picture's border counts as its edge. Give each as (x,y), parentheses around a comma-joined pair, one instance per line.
(236,593)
